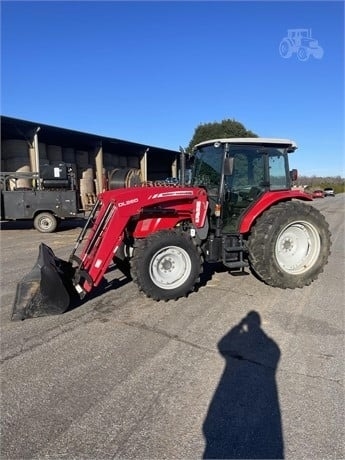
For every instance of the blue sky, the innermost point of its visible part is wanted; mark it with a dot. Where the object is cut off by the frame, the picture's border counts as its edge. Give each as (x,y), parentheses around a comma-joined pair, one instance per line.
(151,72)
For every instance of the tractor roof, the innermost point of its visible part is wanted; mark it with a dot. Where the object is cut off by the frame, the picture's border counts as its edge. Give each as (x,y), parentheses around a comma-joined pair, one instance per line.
(261,141)
(298,30)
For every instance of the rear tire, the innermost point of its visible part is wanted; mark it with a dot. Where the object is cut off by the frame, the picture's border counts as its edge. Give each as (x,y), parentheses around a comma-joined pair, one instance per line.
(45,222)
(285,48)
(166,265)
(289,245)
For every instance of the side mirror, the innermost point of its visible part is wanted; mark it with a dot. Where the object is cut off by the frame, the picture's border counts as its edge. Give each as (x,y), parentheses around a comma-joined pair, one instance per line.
(293,174)
(228,166)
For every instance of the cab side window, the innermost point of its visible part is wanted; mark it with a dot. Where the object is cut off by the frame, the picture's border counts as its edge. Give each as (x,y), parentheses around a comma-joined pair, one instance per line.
(277,172)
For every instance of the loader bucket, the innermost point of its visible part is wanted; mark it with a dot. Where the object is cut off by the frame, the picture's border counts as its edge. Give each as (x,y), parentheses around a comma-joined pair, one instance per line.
(46,290)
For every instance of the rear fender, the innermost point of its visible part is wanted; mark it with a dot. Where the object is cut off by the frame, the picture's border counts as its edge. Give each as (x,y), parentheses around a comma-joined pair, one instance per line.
(267,200)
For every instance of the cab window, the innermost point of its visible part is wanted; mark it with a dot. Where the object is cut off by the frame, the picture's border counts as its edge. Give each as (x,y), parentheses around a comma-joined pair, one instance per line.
(277,172)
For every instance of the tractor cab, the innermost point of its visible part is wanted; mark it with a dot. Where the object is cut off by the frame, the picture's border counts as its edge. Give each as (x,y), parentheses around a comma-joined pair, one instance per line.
(237,171)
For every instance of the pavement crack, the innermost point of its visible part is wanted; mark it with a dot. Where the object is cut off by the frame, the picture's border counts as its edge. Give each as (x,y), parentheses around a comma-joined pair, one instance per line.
(234,355)
(164,333)
(311,376)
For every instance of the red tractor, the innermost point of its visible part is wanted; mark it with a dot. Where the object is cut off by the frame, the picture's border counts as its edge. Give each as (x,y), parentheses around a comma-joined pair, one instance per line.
(238,208)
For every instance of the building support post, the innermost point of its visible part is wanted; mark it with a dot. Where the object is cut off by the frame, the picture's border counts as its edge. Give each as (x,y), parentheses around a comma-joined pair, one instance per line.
(37,158)
(99,168)
(174,168)
(143,167)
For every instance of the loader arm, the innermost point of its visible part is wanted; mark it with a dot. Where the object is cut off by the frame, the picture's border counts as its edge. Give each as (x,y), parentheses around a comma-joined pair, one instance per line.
(149,209)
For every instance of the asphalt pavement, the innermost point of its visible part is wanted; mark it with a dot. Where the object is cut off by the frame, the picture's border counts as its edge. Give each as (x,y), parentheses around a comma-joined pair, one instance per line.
(236,370)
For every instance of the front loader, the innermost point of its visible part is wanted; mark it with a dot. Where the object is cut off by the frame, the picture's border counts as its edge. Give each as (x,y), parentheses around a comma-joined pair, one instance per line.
(238,209)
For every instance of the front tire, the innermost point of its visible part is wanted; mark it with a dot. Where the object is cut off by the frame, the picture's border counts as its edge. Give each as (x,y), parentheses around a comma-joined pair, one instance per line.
(303,53)
(166,265)
(289,245)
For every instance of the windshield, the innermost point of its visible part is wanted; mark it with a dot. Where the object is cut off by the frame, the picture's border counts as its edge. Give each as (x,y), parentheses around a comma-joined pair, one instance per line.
(207,167)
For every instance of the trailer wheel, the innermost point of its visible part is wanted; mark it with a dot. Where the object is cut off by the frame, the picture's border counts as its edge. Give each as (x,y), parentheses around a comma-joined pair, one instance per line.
(289,245)
(45,222)
(166,265)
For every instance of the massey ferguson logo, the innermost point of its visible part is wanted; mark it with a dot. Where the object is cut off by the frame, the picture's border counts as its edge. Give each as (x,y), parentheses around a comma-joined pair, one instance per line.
(175,193)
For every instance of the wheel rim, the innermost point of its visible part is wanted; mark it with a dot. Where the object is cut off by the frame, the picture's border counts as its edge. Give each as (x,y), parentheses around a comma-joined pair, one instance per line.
(297,248)
(45,223)
(170,267)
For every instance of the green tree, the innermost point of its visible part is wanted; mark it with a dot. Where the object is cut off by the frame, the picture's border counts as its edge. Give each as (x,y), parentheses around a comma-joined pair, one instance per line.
(219,130)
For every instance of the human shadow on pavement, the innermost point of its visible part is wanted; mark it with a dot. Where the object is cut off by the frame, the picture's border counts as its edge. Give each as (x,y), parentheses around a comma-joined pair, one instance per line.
(243,419)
